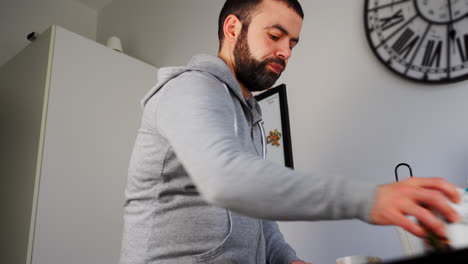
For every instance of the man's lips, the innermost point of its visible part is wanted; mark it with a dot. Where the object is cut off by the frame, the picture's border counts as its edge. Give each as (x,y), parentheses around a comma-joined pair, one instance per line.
(277,68)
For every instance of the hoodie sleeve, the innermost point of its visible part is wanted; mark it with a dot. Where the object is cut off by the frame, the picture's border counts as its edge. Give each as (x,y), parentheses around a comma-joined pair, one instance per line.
(196,115)
(278,251)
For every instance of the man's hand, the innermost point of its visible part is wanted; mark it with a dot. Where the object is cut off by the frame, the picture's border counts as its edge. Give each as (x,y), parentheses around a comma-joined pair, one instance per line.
(414,196)
(299,262)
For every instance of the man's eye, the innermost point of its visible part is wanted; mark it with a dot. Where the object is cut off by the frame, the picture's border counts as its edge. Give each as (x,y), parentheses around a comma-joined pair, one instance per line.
(273,37)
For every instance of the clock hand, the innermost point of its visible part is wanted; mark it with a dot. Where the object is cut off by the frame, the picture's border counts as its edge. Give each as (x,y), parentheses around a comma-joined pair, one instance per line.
(452,32)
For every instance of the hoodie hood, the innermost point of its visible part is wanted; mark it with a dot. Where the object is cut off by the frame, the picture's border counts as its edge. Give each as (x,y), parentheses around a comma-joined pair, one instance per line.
(204,63)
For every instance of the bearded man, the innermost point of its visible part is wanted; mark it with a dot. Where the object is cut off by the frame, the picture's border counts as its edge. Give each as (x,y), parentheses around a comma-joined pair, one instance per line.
(199,188)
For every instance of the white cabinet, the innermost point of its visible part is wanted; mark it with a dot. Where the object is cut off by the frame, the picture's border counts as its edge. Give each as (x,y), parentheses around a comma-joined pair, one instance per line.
(69,113)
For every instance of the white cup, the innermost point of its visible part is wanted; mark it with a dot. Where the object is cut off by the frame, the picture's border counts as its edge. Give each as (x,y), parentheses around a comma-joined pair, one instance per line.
(359,260)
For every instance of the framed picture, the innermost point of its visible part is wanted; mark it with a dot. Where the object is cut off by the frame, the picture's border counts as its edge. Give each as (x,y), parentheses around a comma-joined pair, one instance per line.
(275,115)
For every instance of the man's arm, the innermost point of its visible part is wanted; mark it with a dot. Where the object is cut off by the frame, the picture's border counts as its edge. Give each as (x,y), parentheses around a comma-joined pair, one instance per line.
(196,115)
(198,121)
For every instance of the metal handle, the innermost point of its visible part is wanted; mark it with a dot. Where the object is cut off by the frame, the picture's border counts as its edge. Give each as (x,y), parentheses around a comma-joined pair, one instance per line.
(403,164)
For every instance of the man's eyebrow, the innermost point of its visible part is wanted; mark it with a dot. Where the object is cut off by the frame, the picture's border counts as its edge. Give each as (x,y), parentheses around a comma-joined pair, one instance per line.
(283,30)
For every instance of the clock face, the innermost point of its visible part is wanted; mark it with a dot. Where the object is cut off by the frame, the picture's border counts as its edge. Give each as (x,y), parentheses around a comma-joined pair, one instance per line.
(423,40)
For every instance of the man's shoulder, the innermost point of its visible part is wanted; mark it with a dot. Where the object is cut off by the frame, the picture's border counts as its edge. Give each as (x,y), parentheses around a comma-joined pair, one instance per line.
(197,76)
(194,81)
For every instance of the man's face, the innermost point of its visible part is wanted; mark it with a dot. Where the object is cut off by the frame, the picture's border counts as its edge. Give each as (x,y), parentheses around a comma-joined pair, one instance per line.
(262,51)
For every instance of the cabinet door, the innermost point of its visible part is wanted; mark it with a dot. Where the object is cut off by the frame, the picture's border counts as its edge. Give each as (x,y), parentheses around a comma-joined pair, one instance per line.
(23,86)
(92,121)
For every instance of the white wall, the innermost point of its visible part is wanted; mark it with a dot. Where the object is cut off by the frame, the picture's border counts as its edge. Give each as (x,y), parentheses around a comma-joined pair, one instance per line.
(18,18)
(352,116)
(162,32)
(349,115)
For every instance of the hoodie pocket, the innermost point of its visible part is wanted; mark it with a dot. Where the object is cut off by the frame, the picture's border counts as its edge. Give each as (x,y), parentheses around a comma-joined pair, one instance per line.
(209,256)
(243,245)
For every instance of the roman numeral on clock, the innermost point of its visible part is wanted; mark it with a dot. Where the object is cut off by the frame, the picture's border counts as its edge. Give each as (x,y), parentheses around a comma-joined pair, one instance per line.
(405,43)
(432,54)
(462,45)
(395,19)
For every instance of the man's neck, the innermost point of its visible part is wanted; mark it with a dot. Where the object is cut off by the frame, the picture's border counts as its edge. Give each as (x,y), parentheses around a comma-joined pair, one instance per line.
(229,60)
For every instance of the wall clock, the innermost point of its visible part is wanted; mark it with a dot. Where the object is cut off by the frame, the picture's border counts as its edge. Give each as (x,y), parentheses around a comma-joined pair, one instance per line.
(421,40)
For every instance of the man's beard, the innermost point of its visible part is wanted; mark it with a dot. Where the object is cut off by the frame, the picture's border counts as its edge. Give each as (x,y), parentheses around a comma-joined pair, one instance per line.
(252,73)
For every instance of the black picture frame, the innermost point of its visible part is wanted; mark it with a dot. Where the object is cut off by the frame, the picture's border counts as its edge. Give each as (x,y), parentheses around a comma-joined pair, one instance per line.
(272,99)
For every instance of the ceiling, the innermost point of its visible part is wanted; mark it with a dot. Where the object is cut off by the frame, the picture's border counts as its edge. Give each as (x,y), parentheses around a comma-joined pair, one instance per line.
(95,4)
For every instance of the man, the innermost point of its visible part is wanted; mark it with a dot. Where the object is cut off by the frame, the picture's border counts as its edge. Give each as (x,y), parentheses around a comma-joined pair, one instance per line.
(199,190)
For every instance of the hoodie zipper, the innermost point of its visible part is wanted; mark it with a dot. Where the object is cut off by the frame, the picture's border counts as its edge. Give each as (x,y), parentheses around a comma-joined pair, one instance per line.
(252,125)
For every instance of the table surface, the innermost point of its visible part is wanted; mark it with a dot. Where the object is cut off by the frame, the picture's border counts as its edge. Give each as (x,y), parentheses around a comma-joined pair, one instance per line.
(452,257)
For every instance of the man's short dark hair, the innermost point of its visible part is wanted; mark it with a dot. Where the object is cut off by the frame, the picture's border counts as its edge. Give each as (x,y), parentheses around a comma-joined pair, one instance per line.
(244,10)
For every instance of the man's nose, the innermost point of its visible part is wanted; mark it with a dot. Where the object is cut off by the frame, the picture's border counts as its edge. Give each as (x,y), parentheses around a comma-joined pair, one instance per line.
(284,51)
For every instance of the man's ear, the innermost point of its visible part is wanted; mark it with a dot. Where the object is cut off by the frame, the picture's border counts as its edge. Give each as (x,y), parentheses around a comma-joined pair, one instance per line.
(232,28)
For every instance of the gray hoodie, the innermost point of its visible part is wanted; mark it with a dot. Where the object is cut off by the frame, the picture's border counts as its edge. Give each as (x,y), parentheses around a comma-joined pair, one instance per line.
(198,188)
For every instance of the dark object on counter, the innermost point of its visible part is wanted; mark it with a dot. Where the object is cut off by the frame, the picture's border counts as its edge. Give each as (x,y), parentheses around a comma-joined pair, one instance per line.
(31,36)
(451,257)
(437,243)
